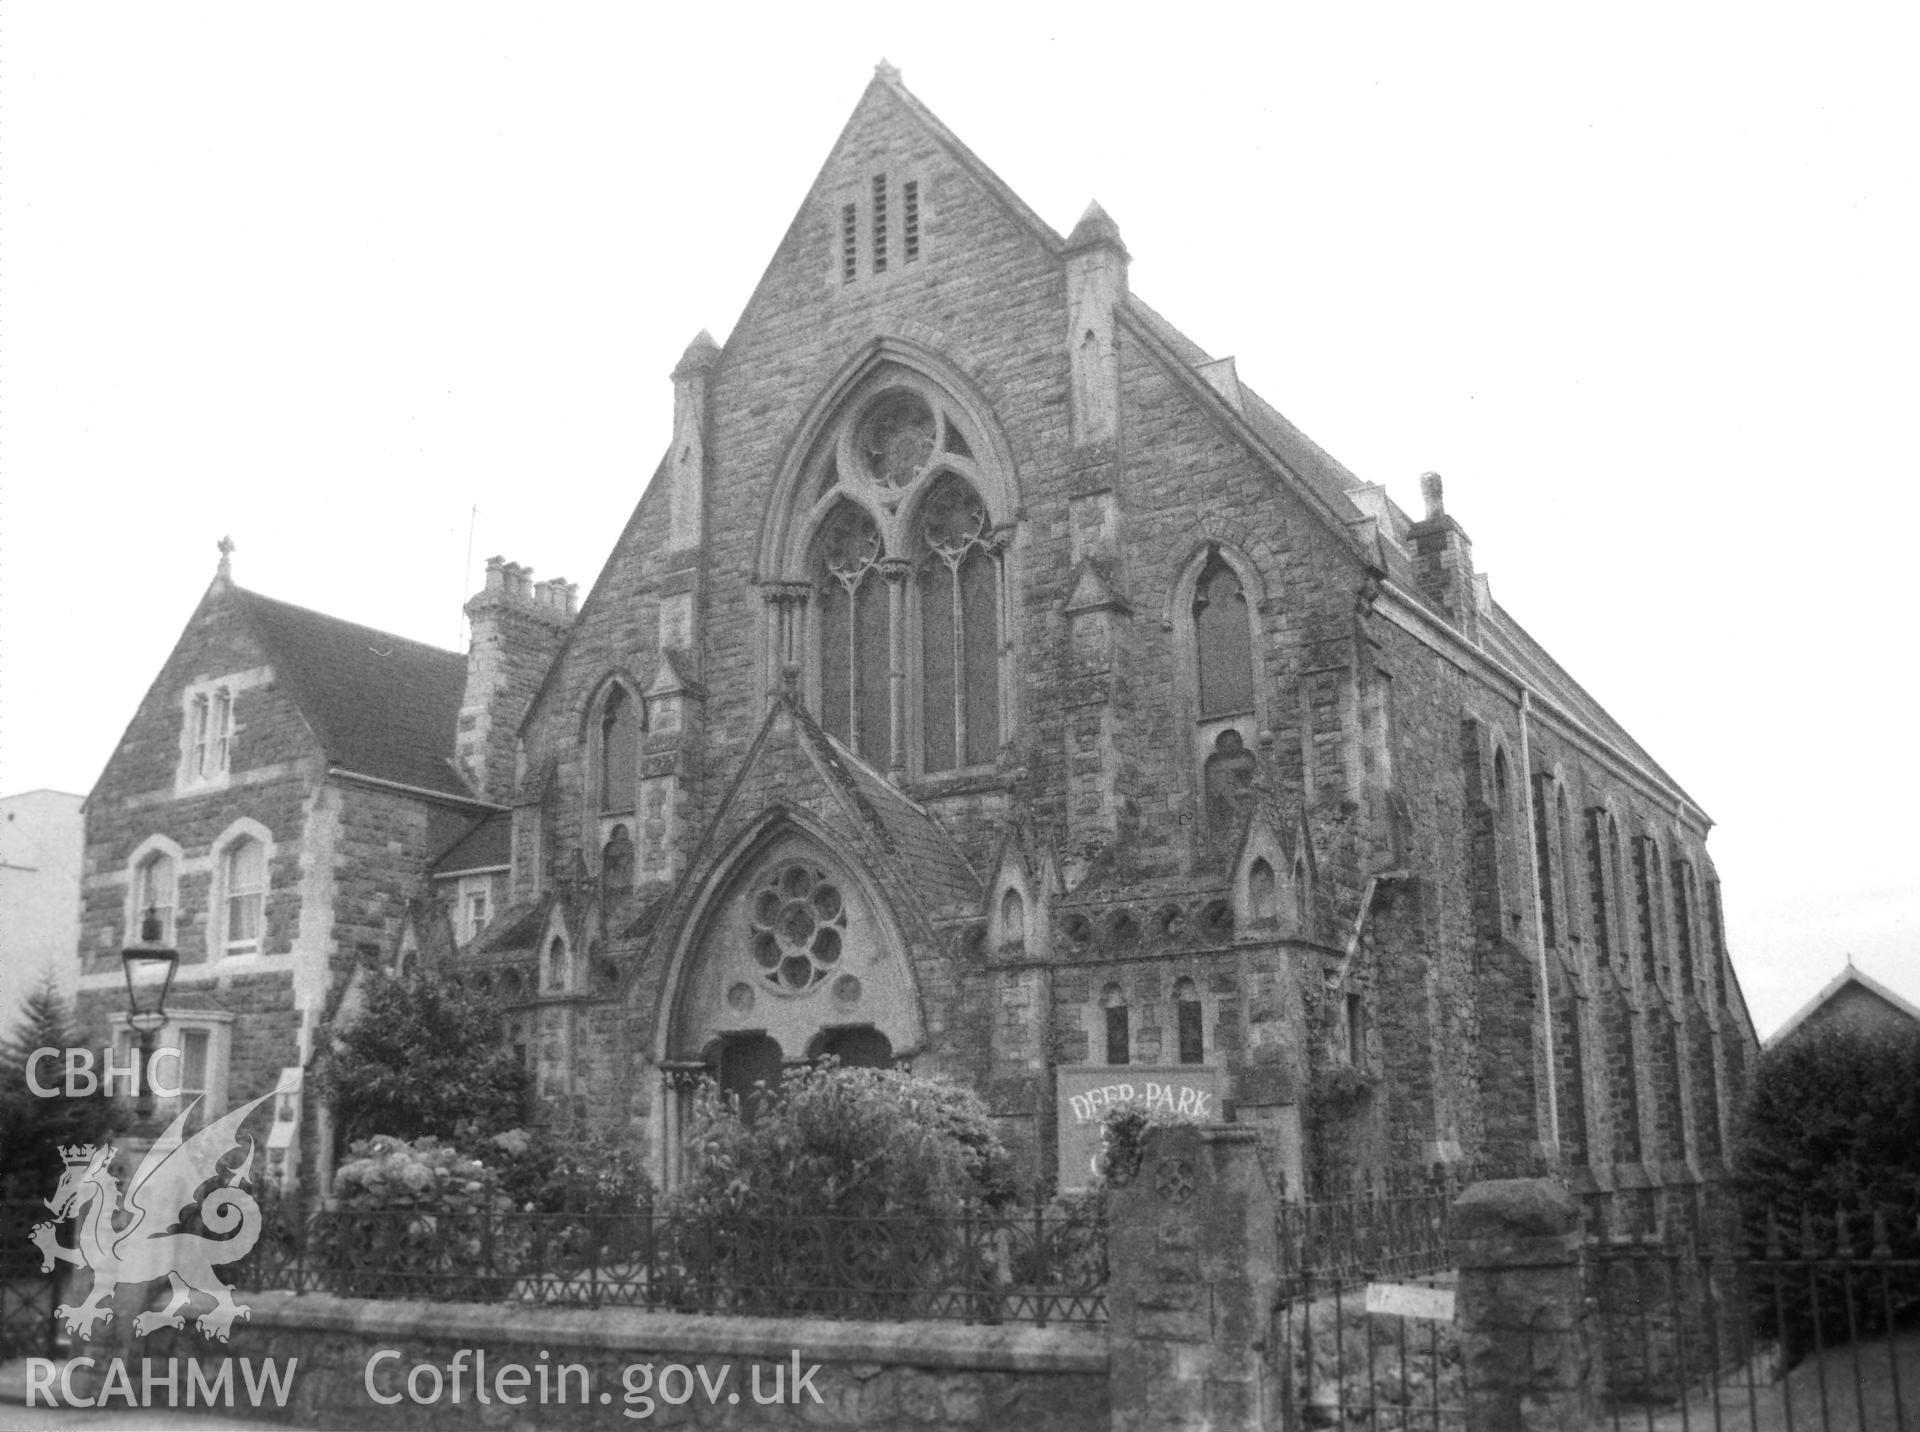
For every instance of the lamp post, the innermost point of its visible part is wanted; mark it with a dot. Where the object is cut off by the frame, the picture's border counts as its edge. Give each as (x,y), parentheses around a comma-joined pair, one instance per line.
(149,967)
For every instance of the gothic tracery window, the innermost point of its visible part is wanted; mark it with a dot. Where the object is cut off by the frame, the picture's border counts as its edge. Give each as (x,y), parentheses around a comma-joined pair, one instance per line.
(855,628)
(959,626)
(905,574)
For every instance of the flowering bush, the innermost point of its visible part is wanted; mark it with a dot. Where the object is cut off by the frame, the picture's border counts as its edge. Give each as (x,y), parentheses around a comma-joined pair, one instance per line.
(418,1217)
(846,1142)
(542,1172)
(428,1173)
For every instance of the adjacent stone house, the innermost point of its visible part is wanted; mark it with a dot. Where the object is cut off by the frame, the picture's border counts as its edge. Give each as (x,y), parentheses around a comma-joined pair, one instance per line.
(988,681)
(276,799)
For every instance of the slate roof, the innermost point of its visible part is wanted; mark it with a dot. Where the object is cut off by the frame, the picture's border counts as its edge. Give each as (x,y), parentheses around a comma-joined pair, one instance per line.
(1505,639)
(379,705)
(914,835)
(486,846)
(1849,977)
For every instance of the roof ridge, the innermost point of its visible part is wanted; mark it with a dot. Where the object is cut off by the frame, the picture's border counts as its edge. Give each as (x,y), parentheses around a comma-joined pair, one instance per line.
(247,594)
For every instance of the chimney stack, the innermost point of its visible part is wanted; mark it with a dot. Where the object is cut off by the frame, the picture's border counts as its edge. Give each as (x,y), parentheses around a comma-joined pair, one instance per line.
(518,626)
(1443,560)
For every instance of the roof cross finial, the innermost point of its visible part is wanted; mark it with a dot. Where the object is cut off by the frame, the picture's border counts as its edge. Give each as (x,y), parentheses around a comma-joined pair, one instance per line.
(225,544)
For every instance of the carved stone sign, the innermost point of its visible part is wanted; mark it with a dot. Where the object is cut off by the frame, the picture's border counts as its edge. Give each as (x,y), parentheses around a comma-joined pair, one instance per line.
(1189,1092)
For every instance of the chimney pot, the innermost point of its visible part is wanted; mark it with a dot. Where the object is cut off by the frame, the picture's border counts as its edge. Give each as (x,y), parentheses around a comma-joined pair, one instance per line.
(496,576)
(1432,490)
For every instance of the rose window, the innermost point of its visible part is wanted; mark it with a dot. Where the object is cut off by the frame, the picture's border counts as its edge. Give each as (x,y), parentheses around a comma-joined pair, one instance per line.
(897,438)
(798,921)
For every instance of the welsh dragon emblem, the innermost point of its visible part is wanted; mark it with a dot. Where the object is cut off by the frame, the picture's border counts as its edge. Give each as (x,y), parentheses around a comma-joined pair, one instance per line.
(151,1244)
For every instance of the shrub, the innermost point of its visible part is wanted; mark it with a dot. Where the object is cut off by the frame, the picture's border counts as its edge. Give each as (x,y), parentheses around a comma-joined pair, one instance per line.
(1832,1128)
(845,1194)
(544,1172)
(419,1219)
(425,1058)
(849,1142)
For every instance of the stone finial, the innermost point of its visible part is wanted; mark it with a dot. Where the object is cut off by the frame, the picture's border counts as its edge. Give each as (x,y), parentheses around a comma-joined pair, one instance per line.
(790,678)
(887,72)
(1096,227)
(225,544)
(701,354)
(1433,492)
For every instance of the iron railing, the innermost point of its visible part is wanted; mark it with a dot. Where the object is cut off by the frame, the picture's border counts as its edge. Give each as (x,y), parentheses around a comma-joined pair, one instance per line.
(27,1294)
(983,1266)
(1810,1323)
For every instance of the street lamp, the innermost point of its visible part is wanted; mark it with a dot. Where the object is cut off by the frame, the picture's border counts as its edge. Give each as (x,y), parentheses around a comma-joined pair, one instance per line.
(149,967)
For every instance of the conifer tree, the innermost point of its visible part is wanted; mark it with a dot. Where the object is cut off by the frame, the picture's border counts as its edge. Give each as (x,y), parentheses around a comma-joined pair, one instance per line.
(32,1128)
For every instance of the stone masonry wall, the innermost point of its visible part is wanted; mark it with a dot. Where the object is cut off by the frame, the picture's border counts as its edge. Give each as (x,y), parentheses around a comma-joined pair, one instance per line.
(943,1378)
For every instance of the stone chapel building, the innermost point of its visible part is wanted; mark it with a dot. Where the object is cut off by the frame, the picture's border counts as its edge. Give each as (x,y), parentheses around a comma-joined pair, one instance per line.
(986,682)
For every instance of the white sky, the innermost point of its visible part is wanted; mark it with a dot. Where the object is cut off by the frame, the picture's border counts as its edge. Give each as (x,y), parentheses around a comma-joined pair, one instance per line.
(1639,280)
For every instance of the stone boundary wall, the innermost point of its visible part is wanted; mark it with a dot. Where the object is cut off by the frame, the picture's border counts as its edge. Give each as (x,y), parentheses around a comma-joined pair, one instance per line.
(940,1377)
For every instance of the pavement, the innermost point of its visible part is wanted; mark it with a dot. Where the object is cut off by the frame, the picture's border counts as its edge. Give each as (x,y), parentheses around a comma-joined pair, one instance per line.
(16,1416)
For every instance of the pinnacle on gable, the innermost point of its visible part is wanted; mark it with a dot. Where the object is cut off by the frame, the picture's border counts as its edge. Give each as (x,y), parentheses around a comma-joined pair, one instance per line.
(1096,227)
(225,569)
(703,352)
(887,72)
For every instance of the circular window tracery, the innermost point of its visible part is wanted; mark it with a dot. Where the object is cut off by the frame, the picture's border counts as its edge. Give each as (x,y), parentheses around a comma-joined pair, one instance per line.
(799,923)
(896,438)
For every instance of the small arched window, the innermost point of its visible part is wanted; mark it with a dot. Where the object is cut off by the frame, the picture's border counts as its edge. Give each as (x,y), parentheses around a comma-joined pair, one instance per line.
(619,752)
(243,874)
(1119,1034)
(1223,641)
(1013,918)
(1262,893)
(1189,1022)
(153,894)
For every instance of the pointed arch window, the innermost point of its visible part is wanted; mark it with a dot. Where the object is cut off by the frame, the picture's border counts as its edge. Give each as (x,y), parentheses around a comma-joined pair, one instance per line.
(1223,641)
(619,742)
(1189,1022)
(905,576)
(855,635)
(958,587)
(1119,1031)
(1013,919)
(1262,893)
